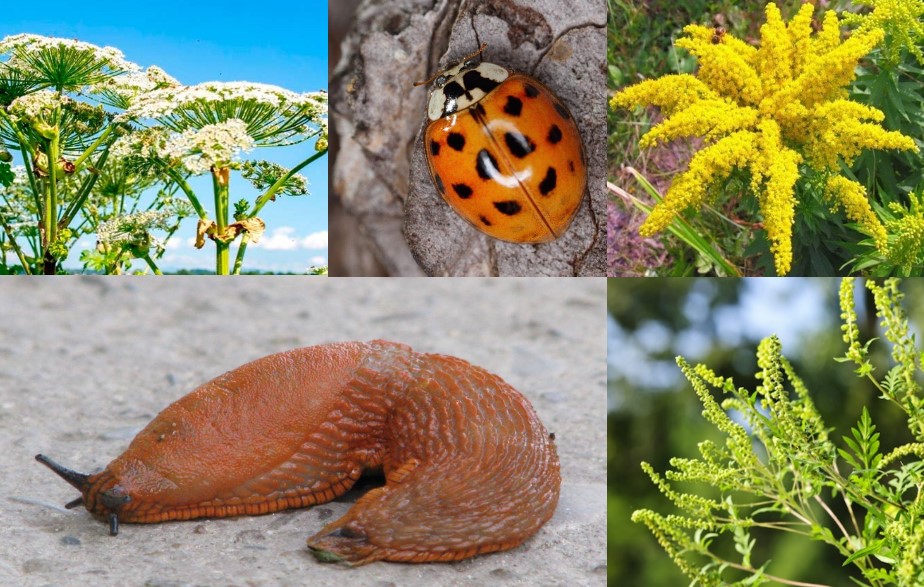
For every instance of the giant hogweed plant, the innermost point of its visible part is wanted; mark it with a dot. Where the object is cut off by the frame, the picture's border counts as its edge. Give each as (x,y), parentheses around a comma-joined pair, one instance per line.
(777,120)
(95,132)
(780,468)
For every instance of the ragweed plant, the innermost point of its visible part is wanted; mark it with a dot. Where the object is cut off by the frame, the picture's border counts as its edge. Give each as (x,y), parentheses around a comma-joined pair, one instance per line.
(780,468)
(778,113)
(95,132)
(905,228)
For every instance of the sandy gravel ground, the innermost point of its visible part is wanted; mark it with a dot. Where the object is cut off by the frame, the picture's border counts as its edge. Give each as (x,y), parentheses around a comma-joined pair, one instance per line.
(86,362)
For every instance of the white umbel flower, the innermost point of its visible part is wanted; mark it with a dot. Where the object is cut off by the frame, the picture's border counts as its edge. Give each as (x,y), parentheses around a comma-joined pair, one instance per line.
(214,145)
(132,228)
(141,144)
(38,105)
(120,91)
(274,116)
(33,44)
(169,101)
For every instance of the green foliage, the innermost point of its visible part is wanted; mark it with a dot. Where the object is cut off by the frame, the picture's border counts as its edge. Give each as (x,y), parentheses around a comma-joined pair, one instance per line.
(6,174)
(777,469)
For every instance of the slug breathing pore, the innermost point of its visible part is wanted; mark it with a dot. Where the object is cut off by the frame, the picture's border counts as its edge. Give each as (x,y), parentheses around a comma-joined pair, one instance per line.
(469,468)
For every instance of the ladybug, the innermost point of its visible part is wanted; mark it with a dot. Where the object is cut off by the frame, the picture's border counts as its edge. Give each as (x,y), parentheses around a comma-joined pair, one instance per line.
(504,152)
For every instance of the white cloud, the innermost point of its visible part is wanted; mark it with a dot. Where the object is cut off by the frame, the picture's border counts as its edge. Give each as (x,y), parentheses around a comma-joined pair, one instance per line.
(280,239)
(178,242)
(285,239)
(317,261)
(315,240)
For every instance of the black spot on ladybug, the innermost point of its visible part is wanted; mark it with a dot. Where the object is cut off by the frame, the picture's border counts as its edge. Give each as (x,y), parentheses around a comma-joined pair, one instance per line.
(508,207)
(548,182)
(484,221)
(439,183)
(453,90)
(456,141)
(473,80)
(571,166)
(531,90)
(434,148)
(520,146)
(554,134)
(486,165)
(514,106)
(462,190)
(562,111)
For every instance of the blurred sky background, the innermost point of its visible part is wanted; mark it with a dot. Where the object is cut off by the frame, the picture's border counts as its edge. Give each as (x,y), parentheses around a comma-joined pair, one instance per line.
(278,42)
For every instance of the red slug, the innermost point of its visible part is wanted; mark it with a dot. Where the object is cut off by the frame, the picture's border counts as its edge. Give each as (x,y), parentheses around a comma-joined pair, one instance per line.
(469,468)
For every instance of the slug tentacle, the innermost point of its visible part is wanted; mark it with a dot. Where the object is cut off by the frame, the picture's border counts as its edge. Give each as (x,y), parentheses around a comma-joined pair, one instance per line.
(77,480)
(74,503)
(469,469)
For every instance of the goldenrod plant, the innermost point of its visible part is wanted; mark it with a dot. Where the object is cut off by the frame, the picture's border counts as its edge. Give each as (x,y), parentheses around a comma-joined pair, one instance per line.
(778,467)
(900,21)
(95,131)
(779,114)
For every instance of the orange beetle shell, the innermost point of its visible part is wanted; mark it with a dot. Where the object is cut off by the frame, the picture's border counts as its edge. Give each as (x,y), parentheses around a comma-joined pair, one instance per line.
(512,163)
(469,468)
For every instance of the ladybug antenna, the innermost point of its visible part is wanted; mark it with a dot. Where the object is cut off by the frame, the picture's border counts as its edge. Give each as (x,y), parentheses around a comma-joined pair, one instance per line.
(476,53)
(463,60)
(427,81)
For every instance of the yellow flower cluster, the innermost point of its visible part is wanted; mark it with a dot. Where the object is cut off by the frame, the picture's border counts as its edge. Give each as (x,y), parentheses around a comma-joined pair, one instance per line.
(767,110)
(907,230)
(901,21)
(842,191)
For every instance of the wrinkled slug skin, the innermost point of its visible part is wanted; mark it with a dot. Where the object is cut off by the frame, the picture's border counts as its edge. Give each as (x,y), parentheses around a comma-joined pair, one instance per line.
(469,468)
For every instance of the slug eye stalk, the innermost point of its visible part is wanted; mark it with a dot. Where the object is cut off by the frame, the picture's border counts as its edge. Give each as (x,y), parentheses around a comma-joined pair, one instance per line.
(77,480)
(113,498)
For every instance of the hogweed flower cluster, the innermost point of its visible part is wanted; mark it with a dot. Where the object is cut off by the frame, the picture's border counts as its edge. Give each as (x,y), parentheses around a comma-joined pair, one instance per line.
(263,174)
(25,48)
(274,116)
(768,110)
(133,229)
(213,145)
(121,91)
(38,106)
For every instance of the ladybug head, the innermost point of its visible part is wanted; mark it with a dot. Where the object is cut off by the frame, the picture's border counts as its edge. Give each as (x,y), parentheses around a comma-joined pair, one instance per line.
(463,85)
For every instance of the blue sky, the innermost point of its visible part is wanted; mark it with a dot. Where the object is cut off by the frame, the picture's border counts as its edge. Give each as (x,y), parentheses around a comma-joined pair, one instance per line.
(276,42)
